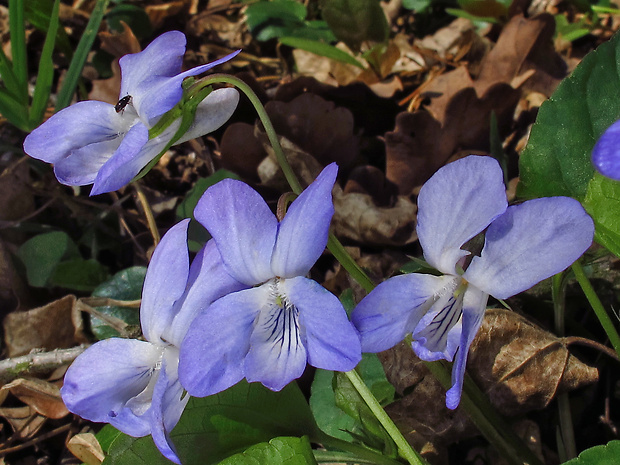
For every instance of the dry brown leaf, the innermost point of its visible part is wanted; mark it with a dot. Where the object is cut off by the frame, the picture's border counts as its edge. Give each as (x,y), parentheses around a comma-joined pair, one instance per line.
(86,448)
(13,290)
(159,13)
(16,196)
(524,44)
(53,326)
(220,29)
(371,180)
(317,126)
(42,396)
(359,219)
(521,366)
(25,421)
(324,69)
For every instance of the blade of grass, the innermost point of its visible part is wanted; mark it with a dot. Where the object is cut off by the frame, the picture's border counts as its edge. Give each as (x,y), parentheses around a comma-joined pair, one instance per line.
(13,110)
(81,53)
(45,77)
(18,48)
(38,14)
(322,49)
(7,74)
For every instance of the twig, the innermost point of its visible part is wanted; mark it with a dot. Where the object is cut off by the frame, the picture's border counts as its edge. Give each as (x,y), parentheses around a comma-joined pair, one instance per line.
(37,362)
(32,442)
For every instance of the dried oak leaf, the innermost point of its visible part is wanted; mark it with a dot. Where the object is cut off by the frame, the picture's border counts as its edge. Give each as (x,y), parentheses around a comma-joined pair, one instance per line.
(86,447)
(519,365)
(25,421)
(42,396)
(57,325)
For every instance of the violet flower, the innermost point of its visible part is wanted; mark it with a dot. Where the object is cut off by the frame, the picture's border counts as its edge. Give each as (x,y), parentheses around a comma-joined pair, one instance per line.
(606,152)
(133,384)
(268,332)
(523,244)
(106,145)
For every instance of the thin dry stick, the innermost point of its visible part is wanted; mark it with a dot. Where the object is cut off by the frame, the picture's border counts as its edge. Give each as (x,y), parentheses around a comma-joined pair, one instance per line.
(37,362)
(36,440)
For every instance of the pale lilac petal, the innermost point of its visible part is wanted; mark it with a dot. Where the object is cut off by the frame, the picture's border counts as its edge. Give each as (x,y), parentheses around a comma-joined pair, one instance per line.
(106,377)
(331,340)
(302,235)
(212,113)
(456,204)
(243,228)
(277,353)
(169,401)
(82,165)
(217,343)
(76,126)
(208,281)
(606,152)
(122,167)
(393,309)
(474,304)
(165,282)
(438,333)
(531,242)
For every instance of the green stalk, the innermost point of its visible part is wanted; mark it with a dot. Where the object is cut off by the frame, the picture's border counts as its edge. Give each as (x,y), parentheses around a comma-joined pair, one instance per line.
(566,421)
(405,449)
(597,306)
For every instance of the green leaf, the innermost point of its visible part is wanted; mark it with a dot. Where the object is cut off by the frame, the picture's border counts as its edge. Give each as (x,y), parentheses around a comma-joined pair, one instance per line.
(556,160)
(42,254)
(486,8)
(45,77)
(278,451)
(8,76)
(18,47)
(197,234)
(78,274)
(124,285)
(355,21)
(599,455)
(322,49)
(81,54)
(602,202)
(13,110)
(340,411)
(419,6)
(268,20)
(213,428)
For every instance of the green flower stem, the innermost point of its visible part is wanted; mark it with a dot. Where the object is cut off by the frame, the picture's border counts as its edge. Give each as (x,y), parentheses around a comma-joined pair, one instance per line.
(354,453)
(492,426)
(597,306)
(405,449)
(558,289)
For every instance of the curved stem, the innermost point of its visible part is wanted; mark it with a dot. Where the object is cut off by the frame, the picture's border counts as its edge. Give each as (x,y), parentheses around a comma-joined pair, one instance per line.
(597,306)
(148,213)
(405,449)
(360,454)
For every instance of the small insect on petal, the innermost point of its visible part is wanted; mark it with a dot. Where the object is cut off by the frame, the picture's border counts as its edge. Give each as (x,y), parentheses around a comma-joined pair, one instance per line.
(122,103)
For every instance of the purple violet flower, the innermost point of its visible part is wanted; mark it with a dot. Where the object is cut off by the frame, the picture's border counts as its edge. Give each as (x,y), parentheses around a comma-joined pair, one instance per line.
(282,320)
(106,145)
(606,152)
(133,384)
(523,244)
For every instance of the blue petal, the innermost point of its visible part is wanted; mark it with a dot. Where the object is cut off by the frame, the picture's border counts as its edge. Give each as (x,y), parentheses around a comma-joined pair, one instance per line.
(331,339)
(208,281)
(106,377)
(277,353)
(437,334)
(126,162)
(303,232)
(530,242)
(217,342)
(82,165)
(243,228)
(165,282)
(606,152)
(392,310)
(74,127)
(168,404)
(456,204)
(212,112)
(474,304)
